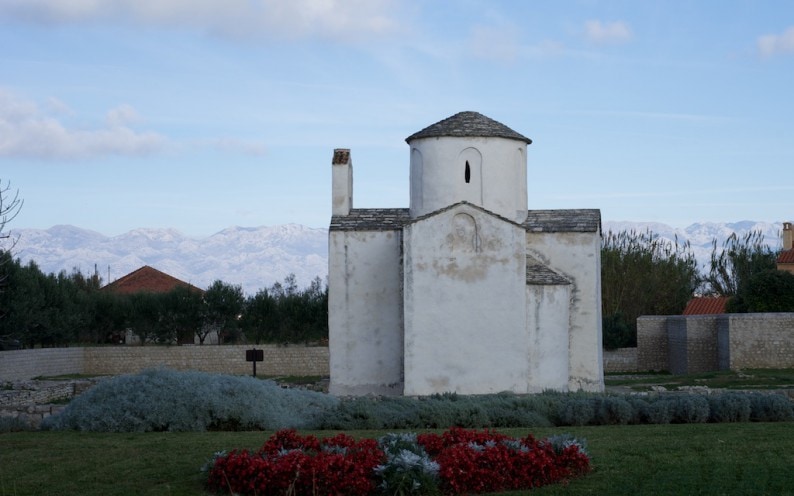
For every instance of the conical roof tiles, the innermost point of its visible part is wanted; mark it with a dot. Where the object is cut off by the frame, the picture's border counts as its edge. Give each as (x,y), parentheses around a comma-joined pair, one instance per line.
(468,125)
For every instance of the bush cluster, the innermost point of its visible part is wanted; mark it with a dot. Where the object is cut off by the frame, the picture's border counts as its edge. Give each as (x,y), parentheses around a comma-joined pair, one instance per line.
(167,400)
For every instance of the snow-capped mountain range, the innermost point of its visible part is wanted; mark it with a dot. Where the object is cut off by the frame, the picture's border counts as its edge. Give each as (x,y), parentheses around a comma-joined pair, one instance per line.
(257,257)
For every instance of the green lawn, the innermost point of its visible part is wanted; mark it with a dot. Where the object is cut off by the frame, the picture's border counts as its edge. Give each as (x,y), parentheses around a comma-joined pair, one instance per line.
(714,459)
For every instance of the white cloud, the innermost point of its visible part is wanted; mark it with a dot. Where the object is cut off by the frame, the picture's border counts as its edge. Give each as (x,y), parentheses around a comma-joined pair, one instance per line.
(499,43)
(773,44)
(329,19)
(235,145)
(28,132)
(610,32)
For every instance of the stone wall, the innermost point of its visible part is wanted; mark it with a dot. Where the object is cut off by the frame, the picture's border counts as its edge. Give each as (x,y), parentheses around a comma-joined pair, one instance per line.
(761,340)
(702,343)
(692,344)
(652,344)
(113,360)
(16,365)
(620,360)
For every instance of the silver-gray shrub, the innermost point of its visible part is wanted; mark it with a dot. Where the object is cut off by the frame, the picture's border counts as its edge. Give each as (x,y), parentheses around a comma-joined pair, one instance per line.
(729,407)
(169,400)
(577,410)
(408,469)
(770,407)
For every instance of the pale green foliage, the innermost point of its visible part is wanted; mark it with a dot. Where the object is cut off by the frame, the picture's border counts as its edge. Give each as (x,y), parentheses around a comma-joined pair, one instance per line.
(408,468)
(167,400)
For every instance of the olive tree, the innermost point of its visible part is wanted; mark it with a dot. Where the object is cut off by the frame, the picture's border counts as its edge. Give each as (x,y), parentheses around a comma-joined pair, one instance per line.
(642,274)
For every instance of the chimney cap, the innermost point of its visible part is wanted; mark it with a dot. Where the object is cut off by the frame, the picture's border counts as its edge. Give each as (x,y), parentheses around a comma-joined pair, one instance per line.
(341,156)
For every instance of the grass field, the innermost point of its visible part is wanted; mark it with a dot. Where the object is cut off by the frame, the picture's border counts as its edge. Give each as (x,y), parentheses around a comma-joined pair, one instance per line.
(724,459)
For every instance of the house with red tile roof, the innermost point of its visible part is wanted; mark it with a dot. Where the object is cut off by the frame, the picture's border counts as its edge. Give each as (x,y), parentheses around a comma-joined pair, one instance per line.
(785,261)
(707,305)
(147,280)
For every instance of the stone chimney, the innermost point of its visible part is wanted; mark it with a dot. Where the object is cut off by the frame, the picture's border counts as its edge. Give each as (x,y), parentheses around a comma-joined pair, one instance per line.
(341,182)
(787,235)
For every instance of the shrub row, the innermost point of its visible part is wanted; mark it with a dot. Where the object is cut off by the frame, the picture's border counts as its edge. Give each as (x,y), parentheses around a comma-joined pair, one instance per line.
(167,400)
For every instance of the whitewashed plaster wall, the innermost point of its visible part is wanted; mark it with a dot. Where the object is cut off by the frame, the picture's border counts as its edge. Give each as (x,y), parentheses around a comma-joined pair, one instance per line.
(577,256)
(464,304)
(365,313)
(497,175)
(547,319)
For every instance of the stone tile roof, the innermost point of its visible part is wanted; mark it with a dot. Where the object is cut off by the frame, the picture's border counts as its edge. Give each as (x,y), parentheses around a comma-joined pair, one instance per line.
(572,220)
(786,257)
(393,219)
(706,305)
(146,280)
(468,125)
(371,219)
(541,275)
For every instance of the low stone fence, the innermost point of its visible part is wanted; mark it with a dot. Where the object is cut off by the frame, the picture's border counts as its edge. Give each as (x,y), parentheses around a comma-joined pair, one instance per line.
(702,343)
(620,360)
(113,360)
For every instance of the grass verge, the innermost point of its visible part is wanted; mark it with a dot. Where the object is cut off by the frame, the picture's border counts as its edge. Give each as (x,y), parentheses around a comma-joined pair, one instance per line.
(757,379)
(641,460)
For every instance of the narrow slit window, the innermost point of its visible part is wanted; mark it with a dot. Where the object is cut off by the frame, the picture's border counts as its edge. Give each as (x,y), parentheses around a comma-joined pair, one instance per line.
(467,173)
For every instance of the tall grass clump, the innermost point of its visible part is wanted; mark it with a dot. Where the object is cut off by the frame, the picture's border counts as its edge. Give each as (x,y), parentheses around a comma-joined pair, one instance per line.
(168,400)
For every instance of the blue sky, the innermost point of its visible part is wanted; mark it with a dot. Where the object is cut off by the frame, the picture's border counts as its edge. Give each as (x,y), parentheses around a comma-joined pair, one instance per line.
(202,114)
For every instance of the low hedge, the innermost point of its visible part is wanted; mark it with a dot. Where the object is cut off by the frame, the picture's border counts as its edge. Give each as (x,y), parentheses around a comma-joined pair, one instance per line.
(168,400)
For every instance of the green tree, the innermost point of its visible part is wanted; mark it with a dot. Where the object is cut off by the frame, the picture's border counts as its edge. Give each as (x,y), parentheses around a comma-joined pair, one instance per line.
(224,306)
(261,322)
(766,291)
(738,260)
(182,313)
(642,274)
(145,317)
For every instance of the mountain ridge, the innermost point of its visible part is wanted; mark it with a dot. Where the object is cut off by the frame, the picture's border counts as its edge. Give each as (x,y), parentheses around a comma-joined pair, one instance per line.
(257,257)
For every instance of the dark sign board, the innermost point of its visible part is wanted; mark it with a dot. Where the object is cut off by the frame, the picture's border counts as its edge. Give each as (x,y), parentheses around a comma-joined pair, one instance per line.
(254,355)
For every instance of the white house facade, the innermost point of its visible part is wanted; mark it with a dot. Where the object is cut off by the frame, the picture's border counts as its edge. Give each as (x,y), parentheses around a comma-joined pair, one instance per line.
(466,290)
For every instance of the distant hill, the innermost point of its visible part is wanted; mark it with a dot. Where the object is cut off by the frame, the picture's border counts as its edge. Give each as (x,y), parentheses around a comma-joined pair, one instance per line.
(256,257)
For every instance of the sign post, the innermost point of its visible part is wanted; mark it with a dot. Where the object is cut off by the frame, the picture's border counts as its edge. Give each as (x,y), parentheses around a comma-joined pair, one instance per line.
(253,355)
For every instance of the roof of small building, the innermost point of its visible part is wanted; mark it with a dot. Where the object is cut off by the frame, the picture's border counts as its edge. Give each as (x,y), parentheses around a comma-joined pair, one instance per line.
(786,257)
(539,221)
(706,305)
(371,219)
(539,274)
(569,220)
(468,125)
(146,280)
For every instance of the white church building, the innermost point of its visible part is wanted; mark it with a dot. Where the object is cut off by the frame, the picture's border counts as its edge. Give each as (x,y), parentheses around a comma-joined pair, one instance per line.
(466,290)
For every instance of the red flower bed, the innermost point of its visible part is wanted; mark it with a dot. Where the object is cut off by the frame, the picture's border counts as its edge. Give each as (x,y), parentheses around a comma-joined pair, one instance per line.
(477,462)
(292,464)
(467,462)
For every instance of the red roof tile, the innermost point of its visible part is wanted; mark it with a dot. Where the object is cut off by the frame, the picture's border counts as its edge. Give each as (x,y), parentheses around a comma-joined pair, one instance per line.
(786,257)
(706,305)
(146,280)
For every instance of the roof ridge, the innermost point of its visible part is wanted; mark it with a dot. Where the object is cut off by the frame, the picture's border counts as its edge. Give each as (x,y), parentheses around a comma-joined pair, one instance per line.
(468,124)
